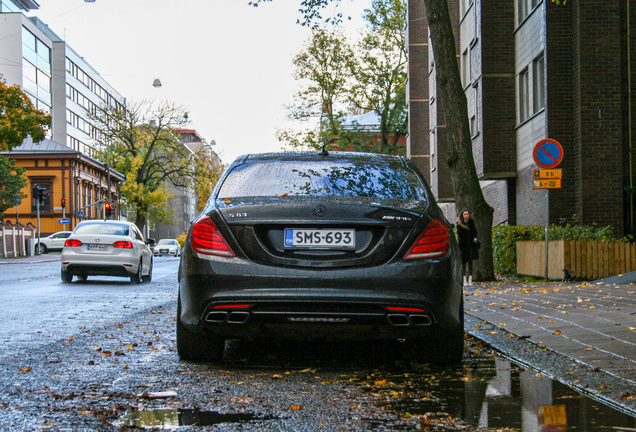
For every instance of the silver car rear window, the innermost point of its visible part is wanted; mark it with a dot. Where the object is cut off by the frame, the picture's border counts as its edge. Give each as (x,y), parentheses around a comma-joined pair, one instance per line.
(102,228)
(322,178)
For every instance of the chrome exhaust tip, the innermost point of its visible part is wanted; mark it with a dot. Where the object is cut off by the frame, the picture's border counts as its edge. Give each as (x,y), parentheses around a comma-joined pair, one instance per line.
(216,317)
(398,319)
(421,320)
(238,317)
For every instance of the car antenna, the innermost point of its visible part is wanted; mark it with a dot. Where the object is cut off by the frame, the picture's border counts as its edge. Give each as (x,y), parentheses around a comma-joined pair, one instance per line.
(324,151)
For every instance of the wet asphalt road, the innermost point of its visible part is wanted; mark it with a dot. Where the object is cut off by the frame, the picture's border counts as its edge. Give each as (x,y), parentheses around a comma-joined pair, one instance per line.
(83,356)
(80,356)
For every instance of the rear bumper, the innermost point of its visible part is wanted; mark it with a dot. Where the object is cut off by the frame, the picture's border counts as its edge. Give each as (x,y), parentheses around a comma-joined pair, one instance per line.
(100,270)
(391,301)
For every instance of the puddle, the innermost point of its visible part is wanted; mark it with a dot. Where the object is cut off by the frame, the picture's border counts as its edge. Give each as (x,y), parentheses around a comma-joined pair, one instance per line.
(495,394)
(171,418)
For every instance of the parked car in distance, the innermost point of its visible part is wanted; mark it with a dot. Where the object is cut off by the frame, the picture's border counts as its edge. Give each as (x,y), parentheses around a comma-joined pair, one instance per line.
(106,248)
(52,243)
(330,245)
(167,247)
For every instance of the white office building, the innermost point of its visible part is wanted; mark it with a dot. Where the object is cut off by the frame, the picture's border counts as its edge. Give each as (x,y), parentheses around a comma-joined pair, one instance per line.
(57,79)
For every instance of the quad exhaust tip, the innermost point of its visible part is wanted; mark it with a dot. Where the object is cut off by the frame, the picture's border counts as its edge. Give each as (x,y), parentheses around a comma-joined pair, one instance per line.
(406,320)
(219,317)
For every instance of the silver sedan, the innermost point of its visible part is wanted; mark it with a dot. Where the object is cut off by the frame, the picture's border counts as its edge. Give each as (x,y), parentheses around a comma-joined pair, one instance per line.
(106,248)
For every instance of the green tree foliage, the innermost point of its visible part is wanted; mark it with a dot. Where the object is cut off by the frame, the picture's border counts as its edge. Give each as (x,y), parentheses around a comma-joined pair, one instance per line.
(324,65)
(341,78)
(11,184)
(380,75)
(138,140)
(18,119)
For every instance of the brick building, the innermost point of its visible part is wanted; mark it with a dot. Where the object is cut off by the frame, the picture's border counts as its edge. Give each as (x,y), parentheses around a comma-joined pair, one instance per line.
(532,69)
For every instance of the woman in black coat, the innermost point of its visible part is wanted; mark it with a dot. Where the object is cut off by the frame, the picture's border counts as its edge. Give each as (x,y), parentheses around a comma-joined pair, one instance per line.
(468,244)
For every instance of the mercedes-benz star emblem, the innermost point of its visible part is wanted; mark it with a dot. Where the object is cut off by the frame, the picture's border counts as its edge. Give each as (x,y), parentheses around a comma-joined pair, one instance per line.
(320,210)
(97,239)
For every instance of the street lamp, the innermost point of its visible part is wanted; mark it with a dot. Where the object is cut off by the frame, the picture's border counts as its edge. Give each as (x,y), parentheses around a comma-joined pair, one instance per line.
(156,83)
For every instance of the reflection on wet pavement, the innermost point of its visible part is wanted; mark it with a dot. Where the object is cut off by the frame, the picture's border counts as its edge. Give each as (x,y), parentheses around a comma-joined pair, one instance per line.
(171,418)
(495,394)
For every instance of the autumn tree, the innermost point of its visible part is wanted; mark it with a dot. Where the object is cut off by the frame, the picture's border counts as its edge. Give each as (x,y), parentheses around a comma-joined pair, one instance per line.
(466,188)
(342,78)
(139,142)
(380,74)
(18,120)
(208,171)
(325,66)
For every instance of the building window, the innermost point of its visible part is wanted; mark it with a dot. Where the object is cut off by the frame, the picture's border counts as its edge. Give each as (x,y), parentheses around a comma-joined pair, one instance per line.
(36,70)
(465,68)
(538,83)
(524,100)
(464,6)
(522,9)
(525,8)
(474,119)
(432,143)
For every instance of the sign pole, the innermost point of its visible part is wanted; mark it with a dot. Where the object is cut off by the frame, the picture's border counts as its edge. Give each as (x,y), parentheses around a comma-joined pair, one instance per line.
(547,229)
(548,154)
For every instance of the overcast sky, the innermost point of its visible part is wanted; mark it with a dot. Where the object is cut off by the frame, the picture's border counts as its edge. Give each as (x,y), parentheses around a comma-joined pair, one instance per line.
(227,63)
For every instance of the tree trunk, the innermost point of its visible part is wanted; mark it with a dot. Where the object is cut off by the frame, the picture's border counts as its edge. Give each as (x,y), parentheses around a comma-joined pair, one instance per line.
(467,191)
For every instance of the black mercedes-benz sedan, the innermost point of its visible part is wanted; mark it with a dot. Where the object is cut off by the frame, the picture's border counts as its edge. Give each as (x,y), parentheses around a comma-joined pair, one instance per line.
(333,245)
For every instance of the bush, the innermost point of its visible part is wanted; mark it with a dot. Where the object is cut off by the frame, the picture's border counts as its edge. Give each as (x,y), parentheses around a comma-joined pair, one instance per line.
(504,239)
(181,239)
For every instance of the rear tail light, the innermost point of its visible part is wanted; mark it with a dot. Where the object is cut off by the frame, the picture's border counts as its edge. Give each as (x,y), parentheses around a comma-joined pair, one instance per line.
(72,243)
(404,309)
(207,239)
(434,242)
(233,306)
(123,245)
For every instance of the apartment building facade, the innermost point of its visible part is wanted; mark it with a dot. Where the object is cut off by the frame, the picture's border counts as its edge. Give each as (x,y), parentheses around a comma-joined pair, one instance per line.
(532,69)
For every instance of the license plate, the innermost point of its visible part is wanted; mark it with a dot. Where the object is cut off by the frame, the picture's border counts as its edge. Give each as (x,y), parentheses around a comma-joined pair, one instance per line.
(97,247)
(322,238)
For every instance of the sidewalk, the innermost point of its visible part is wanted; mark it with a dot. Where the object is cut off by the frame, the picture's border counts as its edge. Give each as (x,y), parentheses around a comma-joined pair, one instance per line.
(581,334)
(32,259)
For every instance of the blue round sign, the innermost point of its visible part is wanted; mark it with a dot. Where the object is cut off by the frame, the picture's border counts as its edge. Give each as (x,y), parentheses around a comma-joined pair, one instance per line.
(548,153)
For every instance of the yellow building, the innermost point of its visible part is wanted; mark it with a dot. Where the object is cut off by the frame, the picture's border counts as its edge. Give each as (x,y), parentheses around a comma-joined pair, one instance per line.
(84,183)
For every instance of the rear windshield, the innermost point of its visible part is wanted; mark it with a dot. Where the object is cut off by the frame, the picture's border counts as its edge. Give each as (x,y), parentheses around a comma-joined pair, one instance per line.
(102,228)
(322,178)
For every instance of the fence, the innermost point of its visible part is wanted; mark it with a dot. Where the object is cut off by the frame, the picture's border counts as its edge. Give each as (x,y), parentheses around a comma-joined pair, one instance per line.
(13,239)
(587,260)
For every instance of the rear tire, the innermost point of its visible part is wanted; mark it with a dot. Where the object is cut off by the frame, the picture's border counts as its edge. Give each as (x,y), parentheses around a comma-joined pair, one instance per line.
(149,277)
(446,348)
(136,278)
(197,347)
(67,277)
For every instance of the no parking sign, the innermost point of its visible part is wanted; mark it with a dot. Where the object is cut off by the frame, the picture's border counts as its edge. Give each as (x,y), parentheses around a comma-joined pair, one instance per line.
(548,154)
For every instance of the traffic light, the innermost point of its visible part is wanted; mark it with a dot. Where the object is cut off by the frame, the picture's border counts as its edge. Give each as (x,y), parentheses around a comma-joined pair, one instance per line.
(63,202)
(39,193)
(108,210)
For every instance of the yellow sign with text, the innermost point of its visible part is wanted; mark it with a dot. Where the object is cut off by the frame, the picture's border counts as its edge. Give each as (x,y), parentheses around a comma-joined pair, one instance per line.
(548,174)
(546,184)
